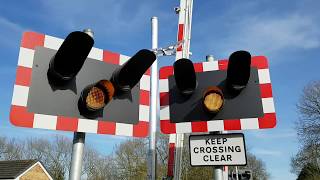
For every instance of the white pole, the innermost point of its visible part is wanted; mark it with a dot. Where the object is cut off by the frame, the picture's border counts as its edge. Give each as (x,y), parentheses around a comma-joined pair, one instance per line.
(78,145)
(178,157)
(153,105)
(185,17)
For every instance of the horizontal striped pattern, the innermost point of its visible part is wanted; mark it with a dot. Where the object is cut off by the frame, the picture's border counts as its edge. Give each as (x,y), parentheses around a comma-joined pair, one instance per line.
(267,121)
(19,115)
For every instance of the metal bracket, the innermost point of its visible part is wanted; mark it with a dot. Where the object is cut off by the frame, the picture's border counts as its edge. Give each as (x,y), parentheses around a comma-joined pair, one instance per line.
(177,10)
(167,51)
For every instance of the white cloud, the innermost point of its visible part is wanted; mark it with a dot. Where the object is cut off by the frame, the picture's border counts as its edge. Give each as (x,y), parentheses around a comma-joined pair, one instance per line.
(260,30)
(276,34)
(5,70)
(272,134)
(20,132)
(6,23)
(266,152)
(10,33)
(113,21)
(263,35)
(33,132)
(106,139)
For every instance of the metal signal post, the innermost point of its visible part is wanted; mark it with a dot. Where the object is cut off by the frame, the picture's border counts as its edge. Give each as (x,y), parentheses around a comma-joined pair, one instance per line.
(78,145)
(153,105)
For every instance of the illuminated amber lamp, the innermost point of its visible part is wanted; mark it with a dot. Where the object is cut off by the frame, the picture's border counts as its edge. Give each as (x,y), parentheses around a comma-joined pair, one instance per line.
(213,99)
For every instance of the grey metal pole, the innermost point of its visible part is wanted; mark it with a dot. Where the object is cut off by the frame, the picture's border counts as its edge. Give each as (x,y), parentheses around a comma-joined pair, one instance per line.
(153,105)
(78,145)
(217,170)
(77,154)
(237,173)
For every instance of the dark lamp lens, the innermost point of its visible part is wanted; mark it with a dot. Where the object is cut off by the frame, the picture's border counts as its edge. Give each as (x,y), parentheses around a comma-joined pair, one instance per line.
(185,76)
(71,56)
(238,72)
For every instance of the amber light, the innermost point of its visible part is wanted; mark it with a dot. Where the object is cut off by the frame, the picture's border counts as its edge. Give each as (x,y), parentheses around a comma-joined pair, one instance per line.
(213,99)
(95,98)
(99,95)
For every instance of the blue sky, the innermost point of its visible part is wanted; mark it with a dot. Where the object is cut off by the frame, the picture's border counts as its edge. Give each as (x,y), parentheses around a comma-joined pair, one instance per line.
(286,31)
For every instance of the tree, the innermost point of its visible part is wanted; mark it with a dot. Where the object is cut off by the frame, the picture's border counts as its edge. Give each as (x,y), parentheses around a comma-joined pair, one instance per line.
(130,159)
(162,155)
(97,166)
(308,124)
(189,172)
(56,154)
(257,167)
(308,128)
(10,149)
(309,154)
(309,172)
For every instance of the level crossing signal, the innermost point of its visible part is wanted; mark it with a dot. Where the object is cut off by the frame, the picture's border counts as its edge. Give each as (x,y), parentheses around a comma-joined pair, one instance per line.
(231,94)
(71,85)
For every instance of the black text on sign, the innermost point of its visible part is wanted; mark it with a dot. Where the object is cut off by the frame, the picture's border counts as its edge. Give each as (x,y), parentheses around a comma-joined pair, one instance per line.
(217,149)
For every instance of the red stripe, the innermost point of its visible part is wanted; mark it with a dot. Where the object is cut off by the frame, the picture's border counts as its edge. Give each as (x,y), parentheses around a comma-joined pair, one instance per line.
(180,35)
(31,40)
(19,116)
(148,72)
(144,97)
(167,127)
(171,159)
(106,127)
(232,124)
(198,67)
(225,168)
(23,76)
(111,57)
(141,129)
(164,98)
(165,72)
(266,90)
(267,121)
(67,124)
(223,64)
(199,126)
(259,62)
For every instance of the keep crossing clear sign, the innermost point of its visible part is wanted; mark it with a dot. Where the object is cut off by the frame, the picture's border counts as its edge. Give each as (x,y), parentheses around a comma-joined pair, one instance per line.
(217,149)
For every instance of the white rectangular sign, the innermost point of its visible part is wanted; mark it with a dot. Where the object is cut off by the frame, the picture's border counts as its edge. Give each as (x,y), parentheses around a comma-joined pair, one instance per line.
(217,149)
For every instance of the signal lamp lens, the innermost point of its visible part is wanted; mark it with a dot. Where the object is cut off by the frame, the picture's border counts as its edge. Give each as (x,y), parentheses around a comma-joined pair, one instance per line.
(96,96)
(130,73)
(108,86)
(238,72)
(95,99)
(71,56)
(213,99)
(185,76)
